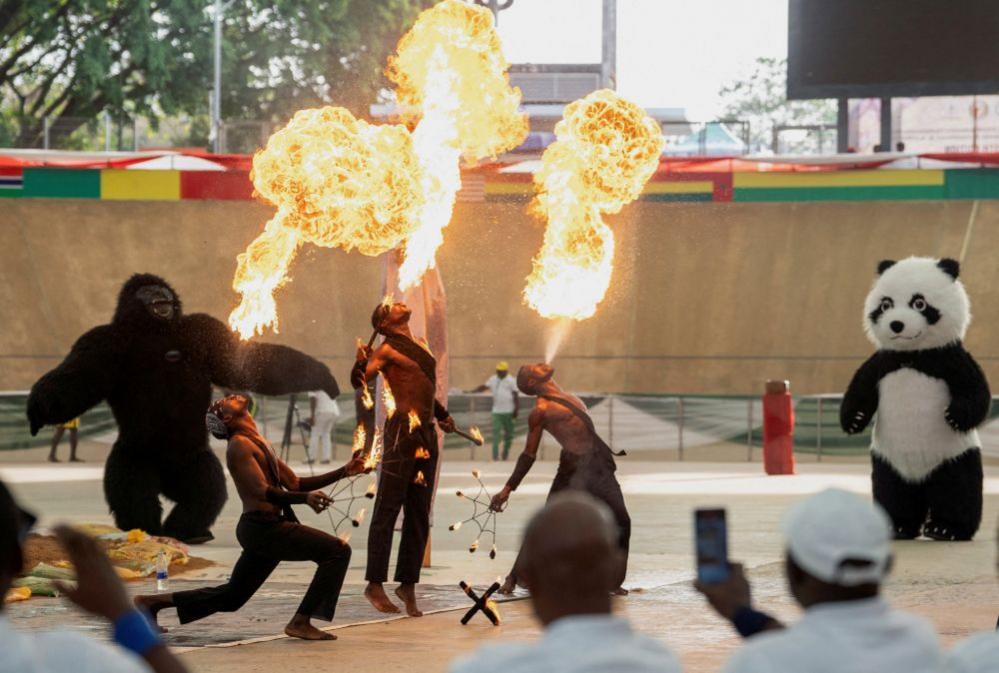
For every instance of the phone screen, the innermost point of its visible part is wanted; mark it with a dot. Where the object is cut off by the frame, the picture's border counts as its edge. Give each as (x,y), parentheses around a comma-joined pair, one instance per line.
(711,540)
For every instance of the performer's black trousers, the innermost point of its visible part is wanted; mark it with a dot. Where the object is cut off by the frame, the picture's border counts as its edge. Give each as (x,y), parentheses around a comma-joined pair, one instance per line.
(600,482)
(267,539)
(397,491)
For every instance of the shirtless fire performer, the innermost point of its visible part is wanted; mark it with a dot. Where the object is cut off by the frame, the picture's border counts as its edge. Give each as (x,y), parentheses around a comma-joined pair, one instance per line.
(268,530)
(586,462)
(409,458)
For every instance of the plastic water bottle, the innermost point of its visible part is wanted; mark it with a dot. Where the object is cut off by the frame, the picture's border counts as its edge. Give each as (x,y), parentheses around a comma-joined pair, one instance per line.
(162,572)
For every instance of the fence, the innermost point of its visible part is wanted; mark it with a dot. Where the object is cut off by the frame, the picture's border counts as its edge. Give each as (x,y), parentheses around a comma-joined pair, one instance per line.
(678,427)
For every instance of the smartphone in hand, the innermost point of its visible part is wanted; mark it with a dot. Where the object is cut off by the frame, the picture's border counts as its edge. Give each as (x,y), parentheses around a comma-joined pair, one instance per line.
(711,545)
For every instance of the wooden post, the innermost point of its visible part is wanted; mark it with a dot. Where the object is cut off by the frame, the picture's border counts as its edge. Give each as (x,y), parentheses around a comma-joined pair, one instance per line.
(426,552)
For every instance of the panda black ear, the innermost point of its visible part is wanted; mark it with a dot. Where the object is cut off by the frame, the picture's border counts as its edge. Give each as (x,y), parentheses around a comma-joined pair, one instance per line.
(950,266)
(884,265)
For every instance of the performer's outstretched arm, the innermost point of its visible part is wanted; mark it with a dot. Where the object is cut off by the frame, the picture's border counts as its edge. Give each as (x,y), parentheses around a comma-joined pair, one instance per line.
(294,482)
(83,379)
(535,428)
(268,369)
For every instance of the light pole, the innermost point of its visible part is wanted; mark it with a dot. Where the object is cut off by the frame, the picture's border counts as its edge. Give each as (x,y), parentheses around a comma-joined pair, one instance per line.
(495,6)
(216,102)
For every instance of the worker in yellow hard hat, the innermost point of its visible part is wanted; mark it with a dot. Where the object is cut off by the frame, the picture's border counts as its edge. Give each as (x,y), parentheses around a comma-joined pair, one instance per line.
(506,404)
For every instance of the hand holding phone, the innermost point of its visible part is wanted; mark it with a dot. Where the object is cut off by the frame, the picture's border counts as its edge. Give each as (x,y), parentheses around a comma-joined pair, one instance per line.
(711,545)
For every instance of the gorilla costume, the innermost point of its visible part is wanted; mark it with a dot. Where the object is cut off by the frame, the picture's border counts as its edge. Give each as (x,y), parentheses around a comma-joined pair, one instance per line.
(155,367)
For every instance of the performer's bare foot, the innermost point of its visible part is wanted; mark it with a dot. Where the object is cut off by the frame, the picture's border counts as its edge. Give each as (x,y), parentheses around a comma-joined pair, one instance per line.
(375,593)
(152,605)
(407,594)
(620,591)
(509,585)
(301,627)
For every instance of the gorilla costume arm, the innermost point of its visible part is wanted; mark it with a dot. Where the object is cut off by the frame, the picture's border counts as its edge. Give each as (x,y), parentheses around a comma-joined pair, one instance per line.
(83,379)
(263,368)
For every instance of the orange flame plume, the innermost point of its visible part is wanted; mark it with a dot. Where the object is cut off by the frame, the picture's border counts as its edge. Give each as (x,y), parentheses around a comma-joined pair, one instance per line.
(606,150)
(414,420)
(360,436)
(337,182)
(475,432)
(451,81)
(375,457)
(358,518)
(419,479)
(388,398)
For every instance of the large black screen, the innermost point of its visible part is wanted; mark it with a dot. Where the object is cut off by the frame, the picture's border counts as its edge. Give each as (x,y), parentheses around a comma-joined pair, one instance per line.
(873,48)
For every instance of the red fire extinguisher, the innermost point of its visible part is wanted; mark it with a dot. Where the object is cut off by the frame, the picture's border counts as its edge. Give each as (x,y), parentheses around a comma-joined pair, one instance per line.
(778,429)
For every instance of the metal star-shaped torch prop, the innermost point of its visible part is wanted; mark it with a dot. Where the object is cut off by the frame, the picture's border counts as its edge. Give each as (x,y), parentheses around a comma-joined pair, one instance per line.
(482,516)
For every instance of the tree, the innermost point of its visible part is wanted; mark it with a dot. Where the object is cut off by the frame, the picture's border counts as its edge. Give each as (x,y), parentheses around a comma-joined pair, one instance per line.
(69,60)
(761,99)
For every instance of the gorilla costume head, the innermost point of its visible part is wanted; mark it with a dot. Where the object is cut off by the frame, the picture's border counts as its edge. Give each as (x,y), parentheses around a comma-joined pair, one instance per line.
(146,299)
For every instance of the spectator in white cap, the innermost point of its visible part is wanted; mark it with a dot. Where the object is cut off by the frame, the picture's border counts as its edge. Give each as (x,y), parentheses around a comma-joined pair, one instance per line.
(838,554)
(977,654)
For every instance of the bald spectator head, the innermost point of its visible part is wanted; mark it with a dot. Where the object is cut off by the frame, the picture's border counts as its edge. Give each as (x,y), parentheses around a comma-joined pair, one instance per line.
(571,557)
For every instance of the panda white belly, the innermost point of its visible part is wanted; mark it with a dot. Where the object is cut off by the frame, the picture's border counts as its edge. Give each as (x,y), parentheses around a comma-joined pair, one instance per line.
(910,431)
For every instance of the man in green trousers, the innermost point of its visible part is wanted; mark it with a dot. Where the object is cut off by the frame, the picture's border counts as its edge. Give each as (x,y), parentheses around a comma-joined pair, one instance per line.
(506,404)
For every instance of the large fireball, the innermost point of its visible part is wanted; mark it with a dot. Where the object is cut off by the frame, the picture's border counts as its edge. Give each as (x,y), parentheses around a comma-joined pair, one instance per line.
(337,182)
(607,148)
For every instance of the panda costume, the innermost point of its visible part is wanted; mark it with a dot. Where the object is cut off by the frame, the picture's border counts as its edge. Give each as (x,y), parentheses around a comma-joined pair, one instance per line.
(930,396)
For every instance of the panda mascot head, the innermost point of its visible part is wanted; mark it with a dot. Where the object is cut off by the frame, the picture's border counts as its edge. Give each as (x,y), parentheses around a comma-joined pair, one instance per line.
(917,304)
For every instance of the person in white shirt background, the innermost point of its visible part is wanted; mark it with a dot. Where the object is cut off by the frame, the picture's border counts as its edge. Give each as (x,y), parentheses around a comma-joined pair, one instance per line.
(323,412)
(571,561)
(978,653)
(138,646)
(506,405)
(838,554)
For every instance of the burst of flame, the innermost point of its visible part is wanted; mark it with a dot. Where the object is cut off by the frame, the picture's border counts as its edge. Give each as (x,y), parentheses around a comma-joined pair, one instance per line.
(358,519)
(414,420)
(494,606)
(606,150)
(451,81)
(472,548)
(372,490)
(455,526)
(475,432)
(375,457)
(366,399)
(388,398)
(419,479)
(422,454)
(337,182)
(387,300)
(360,436)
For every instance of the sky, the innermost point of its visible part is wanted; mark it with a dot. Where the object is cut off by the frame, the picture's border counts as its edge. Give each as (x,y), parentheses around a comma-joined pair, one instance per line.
(670,53)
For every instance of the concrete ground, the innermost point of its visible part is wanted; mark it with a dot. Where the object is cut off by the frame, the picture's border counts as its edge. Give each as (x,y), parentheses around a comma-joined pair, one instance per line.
(952,584)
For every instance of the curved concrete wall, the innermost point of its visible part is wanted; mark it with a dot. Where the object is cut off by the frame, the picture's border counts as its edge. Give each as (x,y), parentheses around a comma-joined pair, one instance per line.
(706,298)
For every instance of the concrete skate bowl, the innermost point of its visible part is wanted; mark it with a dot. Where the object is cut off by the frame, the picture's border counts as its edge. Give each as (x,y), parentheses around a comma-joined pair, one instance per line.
(707,298)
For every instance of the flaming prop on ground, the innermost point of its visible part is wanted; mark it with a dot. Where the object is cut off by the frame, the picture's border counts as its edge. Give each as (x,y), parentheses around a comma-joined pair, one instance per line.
(482,517)
(606,149)
(340,182)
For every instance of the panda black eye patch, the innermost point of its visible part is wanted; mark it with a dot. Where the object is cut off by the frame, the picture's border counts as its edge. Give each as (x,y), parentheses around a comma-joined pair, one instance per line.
(919,303)
(885,304)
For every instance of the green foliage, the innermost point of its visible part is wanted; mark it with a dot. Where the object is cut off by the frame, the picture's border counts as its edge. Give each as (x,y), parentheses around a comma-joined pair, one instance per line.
(762,100)
(72,59)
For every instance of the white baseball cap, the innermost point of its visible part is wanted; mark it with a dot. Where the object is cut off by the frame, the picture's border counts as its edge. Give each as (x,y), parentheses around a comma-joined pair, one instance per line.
(835,526)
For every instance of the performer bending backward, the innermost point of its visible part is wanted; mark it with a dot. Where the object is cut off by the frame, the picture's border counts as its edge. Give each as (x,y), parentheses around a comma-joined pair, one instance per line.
(409,459)
(268,531)
(586,462)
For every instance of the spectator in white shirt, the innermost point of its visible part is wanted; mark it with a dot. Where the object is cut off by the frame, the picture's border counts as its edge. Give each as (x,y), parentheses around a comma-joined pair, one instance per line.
(571,560)
(323,412)
(506,405)
(838,555)
(98,591)
(977,654)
